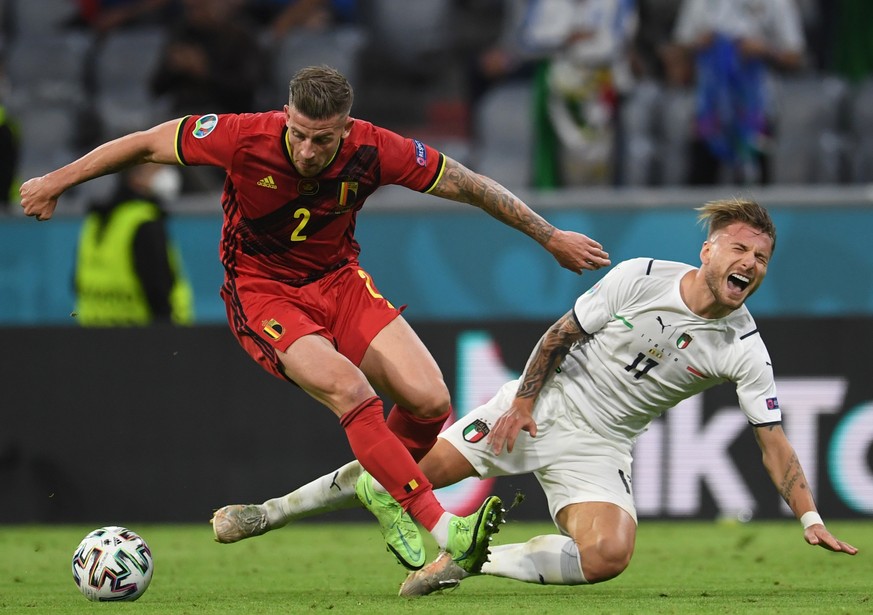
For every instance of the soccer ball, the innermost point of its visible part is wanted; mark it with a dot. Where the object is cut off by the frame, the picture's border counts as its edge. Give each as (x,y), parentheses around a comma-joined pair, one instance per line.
(112,563)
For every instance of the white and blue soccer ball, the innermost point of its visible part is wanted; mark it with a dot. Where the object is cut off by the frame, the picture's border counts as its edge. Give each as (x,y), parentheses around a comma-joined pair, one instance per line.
(112,563)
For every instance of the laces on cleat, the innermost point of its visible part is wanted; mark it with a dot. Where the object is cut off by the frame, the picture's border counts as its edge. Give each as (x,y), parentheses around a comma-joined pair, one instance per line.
(470,536)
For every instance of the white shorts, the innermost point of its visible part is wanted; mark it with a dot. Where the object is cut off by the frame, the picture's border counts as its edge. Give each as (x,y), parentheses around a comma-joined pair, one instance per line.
(571,461)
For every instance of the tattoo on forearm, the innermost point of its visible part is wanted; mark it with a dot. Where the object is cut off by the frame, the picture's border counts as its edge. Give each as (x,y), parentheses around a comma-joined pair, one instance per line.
(792,478)
(549,353)
(460,184)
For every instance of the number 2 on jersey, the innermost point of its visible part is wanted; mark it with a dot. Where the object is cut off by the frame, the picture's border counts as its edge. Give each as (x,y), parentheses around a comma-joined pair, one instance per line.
(304,216)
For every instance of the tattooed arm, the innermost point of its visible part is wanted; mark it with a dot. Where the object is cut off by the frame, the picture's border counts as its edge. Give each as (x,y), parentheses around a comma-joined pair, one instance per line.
(785,471)
(573,251)
(546,357)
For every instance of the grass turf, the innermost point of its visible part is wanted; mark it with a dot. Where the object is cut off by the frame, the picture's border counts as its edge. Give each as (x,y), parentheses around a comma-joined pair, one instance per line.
(678,567)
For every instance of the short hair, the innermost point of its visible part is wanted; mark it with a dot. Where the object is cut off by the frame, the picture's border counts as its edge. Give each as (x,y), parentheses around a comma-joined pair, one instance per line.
(721,213)
(320,93)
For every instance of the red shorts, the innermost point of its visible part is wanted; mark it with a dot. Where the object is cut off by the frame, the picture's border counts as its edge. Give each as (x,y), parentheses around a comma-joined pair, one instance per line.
(343,306)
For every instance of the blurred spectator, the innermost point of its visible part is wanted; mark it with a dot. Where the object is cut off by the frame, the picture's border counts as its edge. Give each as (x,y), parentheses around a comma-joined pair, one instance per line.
(657,21)
(815,21)
(580,92)
(100,19)
(127,270)
(212,60)
(496,41)
(733,45)
(105,15)
(9,153)
(278,17)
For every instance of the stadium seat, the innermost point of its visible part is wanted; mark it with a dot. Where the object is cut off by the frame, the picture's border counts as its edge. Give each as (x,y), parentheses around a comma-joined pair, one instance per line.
(47,69)
(122,70)
(338,47)
(638,116)
(677,117)
(504,134)
(860,130)
(808,144)
(30,17)
(46,139)
(409,36)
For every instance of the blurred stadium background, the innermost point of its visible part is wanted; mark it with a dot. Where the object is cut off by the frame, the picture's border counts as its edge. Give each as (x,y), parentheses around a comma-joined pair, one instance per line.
(177,422)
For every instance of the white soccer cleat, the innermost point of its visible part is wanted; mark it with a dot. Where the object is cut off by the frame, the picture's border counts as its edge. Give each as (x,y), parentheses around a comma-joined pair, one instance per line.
(238,521)
(442,573)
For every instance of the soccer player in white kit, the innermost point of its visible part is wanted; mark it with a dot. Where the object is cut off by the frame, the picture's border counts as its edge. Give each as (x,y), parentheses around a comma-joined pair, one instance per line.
(650,334)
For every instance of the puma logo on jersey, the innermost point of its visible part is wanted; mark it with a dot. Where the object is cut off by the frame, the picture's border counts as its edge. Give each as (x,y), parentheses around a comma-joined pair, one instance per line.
(268,182)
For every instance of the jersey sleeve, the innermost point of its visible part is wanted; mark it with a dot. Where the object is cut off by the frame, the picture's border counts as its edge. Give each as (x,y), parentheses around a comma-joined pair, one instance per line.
(756,387)
(207,140)
(409,162)
(603,300)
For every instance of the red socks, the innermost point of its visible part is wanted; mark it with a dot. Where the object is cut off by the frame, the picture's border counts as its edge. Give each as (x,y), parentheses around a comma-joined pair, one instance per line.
(417,435)
(384,456)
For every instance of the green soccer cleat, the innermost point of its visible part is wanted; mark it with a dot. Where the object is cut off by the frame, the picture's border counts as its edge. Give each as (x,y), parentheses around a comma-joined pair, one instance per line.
(239,521)
(469,536)
(400,531)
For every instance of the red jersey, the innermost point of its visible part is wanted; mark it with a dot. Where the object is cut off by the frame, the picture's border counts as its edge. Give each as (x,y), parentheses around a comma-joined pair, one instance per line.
(279,224)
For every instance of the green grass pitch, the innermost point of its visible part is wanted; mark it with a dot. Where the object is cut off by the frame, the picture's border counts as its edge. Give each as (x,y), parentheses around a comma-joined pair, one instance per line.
(678,567)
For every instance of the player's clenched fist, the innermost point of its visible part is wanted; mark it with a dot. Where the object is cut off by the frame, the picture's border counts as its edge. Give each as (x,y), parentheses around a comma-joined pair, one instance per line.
(36,200)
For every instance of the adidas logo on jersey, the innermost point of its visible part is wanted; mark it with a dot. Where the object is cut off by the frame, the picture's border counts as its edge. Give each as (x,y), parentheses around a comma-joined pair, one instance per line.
(268,182)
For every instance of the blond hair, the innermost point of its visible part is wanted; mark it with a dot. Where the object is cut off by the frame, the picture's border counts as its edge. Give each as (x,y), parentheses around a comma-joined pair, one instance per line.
(721,213)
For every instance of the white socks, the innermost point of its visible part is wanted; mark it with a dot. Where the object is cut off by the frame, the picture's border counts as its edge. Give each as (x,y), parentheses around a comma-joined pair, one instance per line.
(334,491)
(548,560)
(440,531)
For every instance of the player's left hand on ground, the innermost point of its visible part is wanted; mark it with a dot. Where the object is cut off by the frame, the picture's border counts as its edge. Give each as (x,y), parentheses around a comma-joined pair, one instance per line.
(819,535)
(507,428)
(577,252)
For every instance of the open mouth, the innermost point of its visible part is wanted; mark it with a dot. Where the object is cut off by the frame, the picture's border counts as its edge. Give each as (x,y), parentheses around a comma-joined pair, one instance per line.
(738,282)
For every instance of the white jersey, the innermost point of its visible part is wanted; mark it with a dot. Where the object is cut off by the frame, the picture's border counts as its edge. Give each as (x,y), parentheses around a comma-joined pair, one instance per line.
(649,352)
(776,21)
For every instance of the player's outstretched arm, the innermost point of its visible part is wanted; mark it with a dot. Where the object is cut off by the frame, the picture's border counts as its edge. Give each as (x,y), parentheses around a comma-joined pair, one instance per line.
(787,474)
(39,196)
(545,358)
(573,251)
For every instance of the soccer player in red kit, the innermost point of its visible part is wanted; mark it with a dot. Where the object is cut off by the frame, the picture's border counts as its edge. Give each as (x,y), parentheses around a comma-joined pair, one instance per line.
(297,298)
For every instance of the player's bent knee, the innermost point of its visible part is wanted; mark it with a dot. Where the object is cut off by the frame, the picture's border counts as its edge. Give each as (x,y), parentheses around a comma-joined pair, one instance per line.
(603,571)
(439,404)
(606,561)
(344,396)
(431,403)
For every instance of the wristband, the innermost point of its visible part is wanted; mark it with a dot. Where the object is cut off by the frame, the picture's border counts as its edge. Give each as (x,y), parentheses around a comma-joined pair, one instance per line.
(810,518)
